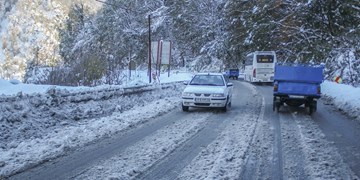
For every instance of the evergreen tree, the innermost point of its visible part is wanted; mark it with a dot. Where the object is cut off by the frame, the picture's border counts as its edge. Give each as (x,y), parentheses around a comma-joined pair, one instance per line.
(214,32)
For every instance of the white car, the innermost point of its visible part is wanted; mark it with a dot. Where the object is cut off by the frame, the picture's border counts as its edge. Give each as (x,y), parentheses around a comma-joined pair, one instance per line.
(207,90)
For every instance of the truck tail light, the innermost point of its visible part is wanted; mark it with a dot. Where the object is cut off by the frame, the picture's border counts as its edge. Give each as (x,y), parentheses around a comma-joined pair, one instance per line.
(254,73)
(276,87)
(319,90)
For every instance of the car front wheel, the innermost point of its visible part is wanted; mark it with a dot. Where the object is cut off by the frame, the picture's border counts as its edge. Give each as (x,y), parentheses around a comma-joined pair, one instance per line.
(225,108)
(185,108)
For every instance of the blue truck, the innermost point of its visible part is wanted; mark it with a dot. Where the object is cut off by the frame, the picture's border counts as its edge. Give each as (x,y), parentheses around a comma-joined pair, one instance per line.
(297,85)
(232,73)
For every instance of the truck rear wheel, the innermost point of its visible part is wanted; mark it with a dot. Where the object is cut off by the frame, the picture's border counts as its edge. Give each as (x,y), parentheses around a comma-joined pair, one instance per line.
(274,106)
(311,110)
(312,107)
(278,106)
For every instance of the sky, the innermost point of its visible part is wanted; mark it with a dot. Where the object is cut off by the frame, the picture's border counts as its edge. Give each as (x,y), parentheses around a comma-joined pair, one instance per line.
(33,140)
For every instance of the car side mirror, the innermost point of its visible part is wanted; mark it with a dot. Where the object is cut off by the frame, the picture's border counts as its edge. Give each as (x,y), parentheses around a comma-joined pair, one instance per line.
(186,82)
(229,84)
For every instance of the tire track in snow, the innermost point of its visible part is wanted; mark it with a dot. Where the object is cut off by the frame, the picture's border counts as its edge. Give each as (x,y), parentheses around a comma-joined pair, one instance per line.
(264,159)
(260,162)
(307,153)
(168,169)
(225,157)
(136,159)
(292,155)
(321,158)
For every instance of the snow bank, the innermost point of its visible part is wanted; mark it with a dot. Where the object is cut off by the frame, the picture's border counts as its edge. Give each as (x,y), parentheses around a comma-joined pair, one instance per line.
(39,127)
(8,88)
(344,97)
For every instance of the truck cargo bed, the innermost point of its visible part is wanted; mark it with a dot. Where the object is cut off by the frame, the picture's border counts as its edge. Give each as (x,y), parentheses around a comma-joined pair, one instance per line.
(306,74)
(297,85)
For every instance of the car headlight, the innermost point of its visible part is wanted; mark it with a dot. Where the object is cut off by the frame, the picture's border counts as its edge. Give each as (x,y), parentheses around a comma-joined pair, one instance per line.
(218,95)
(187,94)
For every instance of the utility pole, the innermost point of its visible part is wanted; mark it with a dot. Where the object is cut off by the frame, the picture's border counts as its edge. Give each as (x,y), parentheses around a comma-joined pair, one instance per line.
(149,65)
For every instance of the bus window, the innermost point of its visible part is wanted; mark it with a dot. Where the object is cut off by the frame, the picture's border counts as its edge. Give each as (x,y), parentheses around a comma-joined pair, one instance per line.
(249,60)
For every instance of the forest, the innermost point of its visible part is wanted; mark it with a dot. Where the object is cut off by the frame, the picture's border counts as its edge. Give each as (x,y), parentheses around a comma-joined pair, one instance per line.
(91,42)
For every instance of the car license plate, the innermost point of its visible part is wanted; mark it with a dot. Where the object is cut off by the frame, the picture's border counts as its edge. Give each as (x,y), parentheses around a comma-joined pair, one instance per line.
(296,97)
(202,100)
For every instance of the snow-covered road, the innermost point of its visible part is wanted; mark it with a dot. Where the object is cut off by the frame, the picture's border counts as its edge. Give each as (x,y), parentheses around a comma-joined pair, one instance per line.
(156,140)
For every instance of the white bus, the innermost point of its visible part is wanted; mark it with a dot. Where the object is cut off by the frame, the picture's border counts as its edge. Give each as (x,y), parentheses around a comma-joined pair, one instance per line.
(260,66)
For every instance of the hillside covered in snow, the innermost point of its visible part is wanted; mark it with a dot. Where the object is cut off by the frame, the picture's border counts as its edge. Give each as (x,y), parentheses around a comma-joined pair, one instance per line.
(89,42)
(30,33)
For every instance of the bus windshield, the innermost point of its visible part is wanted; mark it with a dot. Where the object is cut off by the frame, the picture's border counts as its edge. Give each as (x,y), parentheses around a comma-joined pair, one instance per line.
(265,58)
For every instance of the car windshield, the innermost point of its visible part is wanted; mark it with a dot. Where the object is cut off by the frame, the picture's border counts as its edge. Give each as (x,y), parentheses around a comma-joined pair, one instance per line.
(207,80)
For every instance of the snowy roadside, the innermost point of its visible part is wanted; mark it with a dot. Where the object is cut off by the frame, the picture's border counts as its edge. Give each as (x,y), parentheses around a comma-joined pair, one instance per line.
(345,97)
(32,139)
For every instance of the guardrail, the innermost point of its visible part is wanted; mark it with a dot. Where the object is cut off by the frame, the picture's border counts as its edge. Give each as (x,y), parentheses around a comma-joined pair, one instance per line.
(86,95)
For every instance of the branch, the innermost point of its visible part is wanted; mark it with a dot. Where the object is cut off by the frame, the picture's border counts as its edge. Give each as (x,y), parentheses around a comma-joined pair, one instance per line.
(110,4)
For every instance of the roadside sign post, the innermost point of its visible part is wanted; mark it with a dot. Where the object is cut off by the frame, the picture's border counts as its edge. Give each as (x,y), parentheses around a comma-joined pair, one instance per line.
(149,65)
(132,66)
(155,53)
(166,54)
(161,55)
